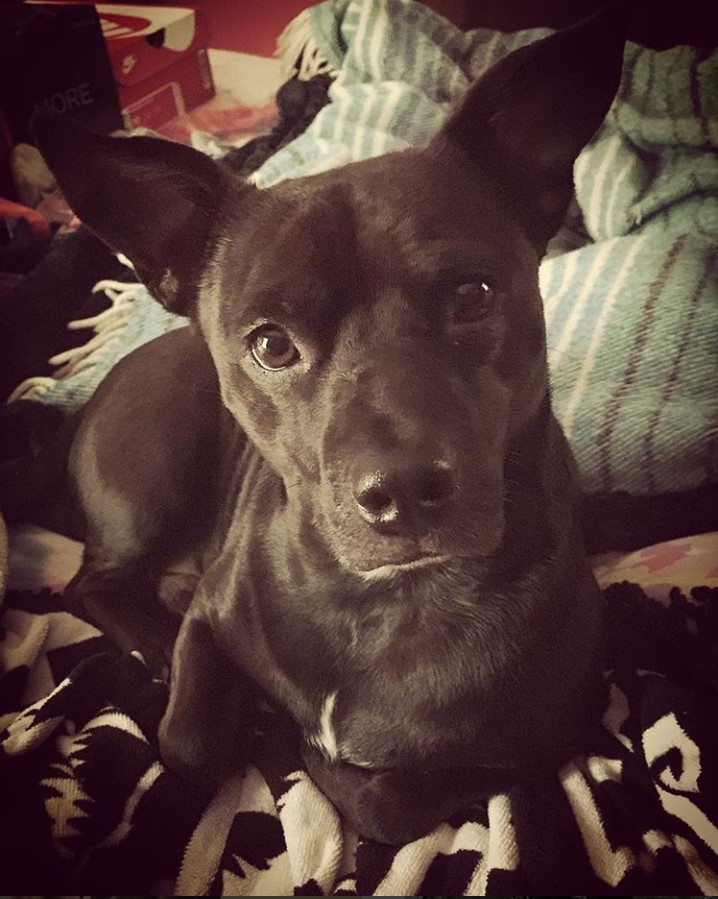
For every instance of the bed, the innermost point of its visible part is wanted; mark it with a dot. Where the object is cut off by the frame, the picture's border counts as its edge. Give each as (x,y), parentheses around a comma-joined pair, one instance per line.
(630,295)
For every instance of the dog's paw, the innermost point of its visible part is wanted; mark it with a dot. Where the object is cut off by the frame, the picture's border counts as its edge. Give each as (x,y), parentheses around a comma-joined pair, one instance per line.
(396,806)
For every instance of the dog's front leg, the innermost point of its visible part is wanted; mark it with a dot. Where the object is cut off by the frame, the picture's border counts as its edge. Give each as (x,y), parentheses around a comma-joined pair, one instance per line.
(120,599)
(206,729)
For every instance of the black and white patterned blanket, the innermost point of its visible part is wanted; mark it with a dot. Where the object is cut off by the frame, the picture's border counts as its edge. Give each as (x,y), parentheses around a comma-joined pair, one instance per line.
(86,805)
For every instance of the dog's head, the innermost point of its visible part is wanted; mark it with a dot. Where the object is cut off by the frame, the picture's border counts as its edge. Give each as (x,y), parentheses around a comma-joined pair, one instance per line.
(378,329)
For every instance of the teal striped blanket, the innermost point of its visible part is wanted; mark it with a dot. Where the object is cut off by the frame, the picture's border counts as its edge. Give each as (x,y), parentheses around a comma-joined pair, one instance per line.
(632,314)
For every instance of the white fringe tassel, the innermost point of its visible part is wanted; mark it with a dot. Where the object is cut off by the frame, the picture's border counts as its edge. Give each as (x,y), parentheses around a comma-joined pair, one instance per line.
(107,325)
(298,51)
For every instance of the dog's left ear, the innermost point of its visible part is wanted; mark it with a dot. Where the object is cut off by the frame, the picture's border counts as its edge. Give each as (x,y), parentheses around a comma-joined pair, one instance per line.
(530,115)
(153,200)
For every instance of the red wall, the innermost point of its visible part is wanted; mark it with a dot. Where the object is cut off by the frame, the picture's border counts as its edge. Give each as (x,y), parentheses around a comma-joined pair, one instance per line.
(249,27)
(254,27)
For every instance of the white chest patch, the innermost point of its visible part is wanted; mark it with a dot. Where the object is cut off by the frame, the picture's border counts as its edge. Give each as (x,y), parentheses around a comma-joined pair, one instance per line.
(325,739)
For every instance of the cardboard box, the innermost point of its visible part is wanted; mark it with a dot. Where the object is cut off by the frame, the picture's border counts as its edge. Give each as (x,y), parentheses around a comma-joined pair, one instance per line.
(53,59)
(159,61)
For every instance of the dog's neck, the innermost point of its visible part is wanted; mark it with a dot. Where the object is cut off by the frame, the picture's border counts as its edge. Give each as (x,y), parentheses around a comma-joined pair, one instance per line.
(505,612)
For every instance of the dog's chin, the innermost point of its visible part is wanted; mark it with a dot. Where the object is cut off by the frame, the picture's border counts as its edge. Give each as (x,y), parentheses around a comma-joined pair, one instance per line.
(411,566)
(422,556)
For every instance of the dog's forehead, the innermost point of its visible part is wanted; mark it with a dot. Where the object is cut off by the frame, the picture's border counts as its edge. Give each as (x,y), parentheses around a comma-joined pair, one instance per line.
(397,218)
(405,198)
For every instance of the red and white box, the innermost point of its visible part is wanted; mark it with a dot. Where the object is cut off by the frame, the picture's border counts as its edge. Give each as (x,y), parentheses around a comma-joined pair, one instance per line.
(159,61)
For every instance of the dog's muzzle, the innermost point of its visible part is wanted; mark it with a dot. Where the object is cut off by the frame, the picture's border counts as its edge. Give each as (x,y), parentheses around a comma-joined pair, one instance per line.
(404,512)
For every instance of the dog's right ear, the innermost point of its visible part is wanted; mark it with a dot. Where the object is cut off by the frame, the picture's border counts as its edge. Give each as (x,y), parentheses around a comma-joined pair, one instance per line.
(151,199)
(528,117)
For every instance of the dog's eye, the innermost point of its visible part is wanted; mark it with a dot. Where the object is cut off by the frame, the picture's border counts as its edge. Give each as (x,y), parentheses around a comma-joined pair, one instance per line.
(273,348)
(473,301)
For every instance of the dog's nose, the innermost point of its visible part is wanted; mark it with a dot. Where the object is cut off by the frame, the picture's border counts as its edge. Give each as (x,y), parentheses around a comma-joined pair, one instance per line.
(404,497)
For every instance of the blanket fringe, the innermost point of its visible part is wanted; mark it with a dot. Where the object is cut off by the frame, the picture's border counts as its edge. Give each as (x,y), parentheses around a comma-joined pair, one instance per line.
(298,51)
(107,326)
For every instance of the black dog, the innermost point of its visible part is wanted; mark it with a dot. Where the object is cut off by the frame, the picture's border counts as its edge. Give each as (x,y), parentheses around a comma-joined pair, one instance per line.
(354,444)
